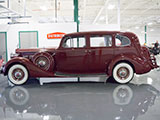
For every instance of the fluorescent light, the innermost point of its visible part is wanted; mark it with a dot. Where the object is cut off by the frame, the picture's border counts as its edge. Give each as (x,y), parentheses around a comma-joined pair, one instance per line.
(111,6)
(150,23)
(149,80)
(151,30)
(79,18)
(102,18)
(136,27)
(44,8)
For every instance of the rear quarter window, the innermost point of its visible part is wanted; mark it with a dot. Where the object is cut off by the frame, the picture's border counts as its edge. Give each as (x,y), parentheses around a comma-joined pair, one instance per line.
(121,40)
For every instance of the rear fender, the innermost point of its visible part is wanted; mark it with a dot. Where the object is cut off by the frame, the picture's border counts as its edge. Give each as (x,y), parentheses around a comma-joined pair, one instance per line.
(117,60)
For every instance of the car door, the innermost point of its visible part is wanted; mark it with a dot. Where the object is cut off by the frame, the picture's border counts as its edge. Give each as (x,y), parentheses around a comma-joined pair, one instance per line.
(100,53)
(73,57)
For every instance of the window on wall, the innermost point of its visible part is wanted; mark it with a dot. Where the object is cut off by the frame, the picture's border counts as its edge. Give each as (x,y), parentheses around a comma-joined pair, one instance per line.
(28,39)
(122,40)
(73,42)
(101,41)
(3,45)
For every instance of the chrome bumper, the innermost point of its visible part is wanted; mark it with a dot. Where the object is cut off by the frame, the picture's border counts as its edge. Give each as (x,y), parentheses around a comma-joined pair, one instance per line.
(2,69)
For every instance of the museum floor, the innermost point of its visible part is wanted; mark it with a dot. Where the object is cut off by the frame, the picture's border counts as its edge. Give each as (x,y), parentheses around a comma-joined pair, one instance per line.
(138,100)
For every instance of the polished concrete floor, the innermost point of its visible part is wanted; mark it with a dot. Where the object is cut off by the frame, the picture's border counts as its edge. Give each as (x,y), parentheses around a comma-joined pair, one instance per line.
(138,100)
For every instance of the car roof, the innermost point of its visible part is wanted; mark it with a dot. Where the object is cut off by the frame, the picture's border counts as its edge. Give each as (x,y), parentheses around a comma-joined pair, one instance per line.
(96,33)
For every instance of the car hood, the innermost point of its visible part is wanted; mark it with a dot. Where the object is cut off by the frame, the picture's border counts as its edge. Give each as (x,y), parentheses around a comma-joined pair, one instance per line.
(34,50)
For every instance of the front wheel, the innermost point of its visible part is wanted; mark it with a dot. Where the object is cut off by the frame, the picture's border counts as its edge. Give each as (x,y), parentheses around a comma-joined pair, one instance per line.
(18,74)
(123,73)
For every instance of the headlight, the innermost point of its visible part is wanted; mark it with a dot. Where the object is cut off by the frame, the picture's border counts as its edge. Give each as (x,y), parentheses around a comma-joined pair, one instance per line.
(13,55)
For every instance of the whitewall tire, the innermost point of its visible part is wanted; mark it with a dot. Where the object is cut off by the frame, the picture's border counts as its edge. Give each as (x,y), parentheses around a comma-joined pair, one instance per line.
(18,74)
(123,73)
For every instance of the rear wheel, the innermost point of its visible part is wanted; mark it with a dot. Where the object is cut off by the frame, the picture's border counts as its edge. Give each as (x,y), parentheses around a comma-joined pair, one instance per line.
(123,73)
(18,74)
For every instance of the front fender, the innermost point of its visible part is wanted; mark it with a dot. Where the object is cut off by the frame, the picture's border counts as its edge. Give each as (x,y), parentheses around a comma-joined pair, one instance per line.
(34,71)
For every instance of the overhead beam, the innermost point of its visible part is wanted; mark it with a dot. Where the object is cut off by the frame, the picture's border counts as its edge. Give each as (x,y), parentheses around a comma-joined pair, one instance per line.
(84,12)
(100,11)
(76,14)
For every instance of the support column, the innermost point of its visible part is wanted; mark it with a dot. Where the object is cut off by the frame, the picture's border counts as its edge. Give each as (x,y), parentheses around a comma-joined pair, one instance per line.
(77,21)
(118,13)
(24,7)
(145,33)
(76,14)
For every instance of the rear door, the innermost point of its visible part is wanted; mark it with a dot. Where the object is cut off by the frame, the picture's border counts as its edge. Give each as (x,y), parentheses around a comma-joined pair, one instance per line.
(100,53)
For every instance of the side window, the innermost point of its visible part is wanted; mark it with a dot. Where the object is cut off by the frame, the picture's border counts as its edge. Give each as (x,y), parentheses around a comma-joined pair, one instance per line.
(101,41)
(73,42)
(122,40)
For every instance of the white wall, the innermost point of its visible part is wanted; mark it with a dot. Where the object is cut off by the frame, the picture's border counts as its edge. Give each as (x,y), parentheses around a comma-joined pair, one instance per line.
(43,30)
(94,27)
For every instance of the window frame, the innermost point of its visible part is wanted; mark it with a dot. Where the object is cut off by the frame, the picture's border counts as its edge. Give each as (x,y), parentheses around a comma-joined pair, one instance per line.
(70,37)
(130,43)
(100,35)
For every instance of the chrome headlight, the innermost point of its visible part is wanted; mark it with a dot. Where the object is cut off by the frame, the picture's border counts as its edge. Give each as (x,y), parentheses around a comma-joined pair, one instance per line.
(13,55)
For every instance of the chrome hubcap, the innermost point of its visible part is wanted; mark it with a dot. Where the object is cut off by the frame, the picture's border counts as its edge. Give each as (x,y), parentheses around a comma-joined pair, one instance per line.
(42,63)
(18,75)
(123,73)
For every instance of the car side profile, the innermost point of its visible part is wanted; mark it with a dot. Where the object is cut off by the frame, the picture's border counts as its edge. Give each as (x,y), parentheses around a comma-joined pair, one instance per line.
(114,53)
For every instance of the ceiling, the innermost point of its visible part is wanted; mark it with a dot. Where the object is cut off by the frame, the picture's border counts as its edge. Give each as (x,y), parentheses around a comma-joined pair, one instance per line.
(134,14)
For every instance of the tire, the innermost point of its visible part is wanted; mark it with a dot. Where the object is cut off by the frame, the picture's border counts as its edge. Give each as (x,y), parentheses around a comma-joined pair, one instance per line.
(123,73)
(44,61)
(18,74)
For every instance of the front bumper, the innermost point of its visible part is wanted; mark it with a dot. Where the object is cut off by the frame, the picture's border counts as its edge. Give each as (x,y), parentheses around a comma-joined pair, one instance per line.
(2,69)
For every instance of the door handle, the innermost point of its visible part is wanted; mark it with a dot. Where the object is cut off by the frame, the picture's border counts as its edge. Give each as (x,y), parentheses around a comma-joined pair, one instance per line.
(86,51)
(89,51)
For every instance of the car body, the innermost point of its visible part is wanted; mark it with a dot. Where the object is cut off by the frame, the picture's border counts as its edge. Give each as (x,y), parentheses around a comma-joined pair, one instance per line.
(114,53)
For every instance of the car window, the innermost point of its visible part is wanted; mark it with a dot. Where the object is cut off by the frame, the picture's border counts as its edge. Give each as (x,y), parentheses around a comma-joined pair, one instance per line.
(122,40)
(101,41)
(72,42)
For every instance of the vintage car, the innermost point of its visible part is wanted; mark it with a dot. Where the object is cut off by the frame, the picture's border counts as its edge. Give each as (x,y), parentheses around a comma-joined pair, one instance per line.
(114,53)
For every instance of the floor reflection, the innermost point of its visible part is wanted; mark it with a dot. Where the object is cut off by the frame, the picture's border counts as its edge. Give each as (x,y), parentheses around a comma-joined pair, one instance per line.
(77,101)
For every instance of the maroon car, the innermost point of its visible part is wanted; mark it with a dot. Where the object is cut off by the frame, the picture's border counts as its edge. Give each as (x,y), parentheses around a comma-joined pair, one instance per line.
(117,54)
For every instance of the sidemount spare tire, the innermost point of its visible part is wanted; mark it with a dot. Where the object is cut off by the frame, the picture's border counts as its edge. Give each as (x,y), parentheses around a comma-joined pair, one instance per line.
(44,60)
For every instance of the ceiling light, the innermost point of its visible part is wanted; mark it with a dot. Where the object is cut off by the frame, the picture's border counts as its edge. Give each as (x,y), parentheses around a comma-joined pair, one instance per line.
(44,8)
(102,18)
(128,29)
(136,27)
(151,30)
(111,6)
(79,18)
(150,23)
